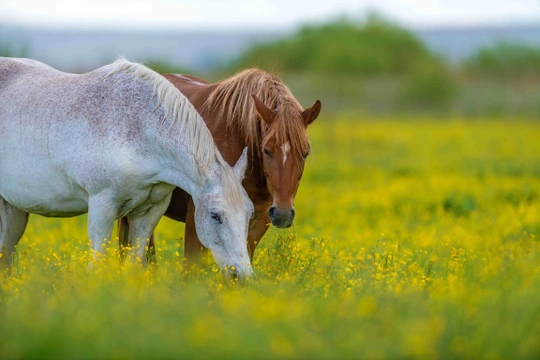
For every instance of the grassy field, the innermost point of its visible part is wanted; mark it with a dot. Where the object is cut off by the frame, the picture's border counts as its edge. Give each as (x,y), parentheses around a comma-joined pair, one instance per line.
(413,239)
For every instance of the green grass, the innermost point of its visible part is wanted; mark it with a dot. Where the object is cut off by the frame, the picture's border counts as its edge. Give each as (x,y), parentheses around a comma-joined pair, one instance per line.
(414,238)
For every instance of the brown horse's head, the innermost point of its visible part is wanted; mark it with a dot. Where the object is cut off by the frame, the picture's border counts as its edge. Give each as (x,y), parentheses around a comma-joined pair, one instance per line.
(284,149)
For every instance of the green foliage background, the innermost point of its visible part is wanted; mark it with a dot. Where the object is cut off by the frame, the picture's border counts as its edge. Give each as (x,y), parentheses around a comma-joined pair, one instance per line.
(505,60)
(375,66)
(373,47)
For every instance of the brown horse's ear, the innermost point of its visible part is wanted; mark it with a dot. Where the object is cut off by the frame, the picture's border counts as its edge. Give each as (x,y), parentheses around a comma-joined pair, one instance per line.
(265,113)
(311,113)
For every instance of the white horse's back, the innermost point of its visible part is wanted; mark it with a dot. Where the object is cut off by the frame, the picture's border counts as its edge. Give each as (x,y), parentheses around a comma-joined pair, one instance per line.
(58,133)
(25,62)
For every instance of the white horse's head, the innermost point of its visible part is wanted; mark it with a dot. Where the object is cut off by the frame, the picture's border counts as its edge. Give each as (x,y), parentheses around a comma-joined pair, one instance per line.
(222,215)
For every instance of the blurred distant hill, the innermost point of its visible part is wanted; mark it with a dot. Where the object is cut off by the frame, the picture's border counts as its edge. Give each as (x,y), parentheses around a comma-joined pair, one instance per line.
(82,50)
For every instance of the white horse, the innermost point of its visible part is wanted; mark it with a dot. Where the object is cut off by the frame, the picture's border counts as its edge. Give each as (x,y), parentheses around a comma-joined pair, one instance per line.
(113,142)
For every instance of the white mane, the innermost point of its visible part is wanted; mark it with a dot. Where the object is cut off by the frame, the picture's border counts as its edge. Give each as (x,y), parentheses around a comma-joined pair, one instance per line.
(183,115)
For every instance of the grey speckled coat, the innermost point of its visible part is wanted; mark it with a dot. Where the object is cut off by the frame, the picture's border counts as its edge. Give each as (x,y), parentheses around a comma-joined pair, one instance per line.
(113,142)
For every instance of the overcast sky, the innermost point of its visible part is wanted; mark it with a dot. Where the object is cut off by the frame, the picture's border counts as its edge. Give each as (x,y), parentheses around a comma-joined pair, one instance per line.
(242,14)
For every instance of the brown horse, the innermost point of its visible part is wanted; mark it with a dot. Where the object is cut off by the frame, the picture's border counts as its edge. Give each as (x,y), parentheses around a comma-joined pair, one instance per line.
(253,109)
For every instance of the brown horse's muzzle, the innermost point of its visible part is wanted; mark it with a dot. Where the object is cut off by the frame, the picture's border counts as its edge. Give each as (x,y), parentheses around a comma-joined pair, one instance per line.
(281,217)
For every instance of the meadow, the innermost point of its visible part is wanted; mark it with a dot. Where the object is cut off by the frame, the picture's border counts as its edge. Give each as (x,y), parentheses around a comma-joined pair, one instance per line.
(414,238)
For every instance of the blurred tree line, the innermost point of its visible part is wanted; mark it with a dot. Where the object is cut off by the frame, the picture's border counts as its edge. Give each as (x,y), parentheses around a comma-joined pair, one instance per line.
(374,66)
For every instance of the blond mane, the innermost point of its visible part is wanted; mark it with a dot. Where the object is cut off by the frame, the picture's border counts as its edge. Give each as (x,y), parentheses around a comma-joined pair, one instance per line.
(232,99)
(182,115)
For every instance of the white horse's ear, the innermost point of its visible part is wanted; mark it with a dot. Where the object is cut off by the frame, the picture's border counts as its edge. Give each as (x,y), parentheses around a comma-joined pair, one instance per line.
(241,165)
(211,174)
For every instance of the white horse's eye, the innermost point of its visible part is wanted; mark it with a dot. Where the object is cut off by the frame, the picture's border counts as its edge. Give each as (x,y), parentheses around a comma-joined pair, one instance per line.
(216,217)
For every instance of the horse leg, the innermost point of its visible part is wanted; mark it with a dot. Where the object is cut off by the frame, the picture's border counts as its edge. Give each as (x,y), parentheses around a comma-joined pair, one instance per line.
(142,227)
(123,235)
(152,249)
(123,239)
(193,248)
(102,212)
(12,225)
(257,228)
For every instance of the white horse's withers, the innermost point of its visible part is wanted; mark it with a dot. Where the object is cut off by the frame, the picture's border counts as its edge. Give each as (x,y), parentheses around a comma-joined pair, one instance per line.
(113,142)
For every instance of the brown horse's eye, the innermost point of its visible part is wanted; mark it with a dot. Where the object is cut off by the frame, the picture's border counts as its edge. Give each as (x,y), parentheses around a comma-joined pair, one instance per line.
(266,152)
(305,155)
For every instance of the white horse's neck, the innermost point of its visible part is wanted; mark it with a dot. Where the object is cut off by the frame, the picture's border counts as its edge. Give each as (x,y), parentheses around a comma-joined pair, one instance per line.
(179,167)
(190,154)
(187,152)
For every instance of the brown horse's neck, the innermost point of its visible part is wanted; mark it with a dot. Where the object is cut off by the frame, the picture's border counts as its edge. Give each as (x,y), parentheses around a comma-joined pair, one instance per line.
(229,139)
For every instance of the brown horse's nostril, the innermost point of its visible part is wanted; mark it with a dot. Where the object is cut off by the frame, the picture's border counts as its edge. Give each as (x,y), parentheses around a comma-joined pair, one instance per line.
(281,218)
(272,213)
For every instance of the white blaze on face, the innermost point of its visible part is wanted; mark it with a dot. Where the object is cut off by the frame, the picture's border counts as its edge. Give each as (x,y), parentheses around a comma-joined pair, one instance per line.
(286,148)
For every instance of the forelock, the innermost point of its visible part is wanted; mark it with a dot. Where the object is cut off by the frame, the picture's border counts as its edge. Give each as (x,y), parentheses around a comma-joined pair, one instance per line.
(289,128)
(232,100)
